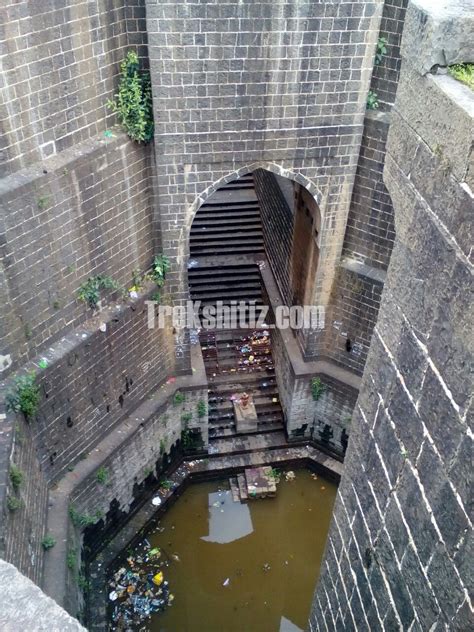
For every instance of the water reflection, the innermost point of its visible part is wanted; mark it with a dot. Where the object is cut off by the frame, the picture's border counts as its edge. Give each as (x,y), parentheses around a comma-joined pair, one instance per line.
(228,521)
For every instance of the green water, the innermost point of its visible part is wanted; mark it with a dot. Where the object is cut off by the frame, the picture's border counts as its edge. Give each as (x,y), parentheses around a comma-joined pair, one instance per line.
(268,550)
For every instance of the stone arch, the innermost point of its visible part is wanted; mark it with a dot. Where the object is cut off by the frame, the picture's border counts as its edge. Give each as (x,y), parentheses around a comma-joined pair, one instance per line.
(269,166)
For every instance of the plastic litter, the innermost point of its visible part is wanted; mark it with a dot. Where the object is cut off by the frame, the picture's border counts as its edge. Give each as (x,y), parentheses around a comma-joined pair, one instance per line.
(158,579)
(226,582)
(156,501)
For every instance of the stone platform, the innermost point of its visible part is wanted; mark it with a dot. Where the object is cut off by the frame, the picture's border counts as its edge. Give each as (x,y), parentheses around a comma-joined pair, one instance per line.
(256,482)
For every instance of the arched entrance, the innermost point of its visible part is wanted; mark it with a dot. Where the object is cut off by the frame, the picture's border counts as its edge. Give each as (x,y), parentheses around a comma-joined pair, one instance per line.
(258,220)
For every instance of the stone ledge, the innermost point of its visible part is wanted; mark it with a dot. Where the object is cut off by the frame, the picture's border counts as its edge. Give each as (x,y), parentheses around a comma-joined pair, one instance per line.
(438,32)
(55,571)
(26,607)
(12,184)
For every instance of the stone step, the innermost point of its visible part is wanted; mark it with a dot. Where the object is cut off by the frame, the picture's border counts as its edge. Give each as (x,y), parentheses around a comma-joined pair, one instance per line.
(235,490)
(242,483)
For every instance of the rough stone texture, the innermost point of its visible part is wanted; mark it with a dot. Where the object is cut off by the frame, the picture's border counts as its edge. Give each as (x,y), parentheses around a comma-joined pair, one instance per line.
(352,315)
(89,214)
(26,607)
(59,66)
(277,227)
(385,74)
(94,379)
(241,85)
(395,557)
(440,32)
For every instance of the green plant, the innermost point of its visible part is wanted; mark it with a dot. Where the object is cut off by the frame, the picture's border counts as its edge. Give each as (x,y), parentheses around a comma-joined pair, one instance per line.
(159,268)
(201,408)
(186,418)
(137,280)
(102,475)
(26,395)
(90,290)
(156,296)
(14,503)
(71,559)
(317,388)
(166,484)
(179,398)
(83,583)
(187,438)
(381,49)
(162,447)
(372,100)
(48,542)
(56,305)
(83,520)
(133,104)
(275,474)
(42,202)
(463,73)
(16,476)
(27,330)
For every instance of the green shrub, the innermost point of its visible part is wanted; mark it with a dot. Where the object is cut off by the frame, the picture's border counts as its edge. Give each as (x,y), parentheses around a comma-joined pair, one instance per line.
(71,560)
(102,475)
(372,100)
(16,476)
(14,503)
(381,49)
(463,73)
(201,408)
(83,520)
(134,104)
(48,542)
(179,398)
(159,268)
(186,418)
(90,291)
(25,397)
(317,388)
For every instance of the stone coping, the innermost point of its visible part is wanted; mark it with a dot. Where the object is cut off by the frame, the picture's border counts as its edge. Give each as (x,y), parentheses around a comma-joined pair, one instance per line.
(11,184)
(26,607)
(187,472)
(54,569)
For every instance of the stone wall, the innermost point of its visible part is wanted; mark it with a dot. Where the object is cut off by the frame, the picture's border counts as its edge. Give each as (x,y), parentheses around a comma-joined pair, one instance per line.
(60,65)
(399,542)
(85,212)
(277,227)
(242,85)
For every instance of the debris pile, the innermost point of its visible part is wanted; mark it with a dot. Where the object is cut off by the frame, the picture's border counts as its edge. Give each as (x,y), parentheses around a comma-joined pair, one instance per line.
(139,589)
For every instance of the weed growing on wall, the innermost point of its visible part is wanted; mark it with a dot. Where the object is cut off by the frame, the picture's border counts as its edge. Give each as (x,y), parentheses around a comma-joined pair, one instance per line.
(159,268)
(16,476)
(179,398)
(48,542)
(133,103)
(372,100)
(102,475)
(463,73)
(25,396)
(317,388)
(90,291)
(201,408)
(14,503)
(381,49)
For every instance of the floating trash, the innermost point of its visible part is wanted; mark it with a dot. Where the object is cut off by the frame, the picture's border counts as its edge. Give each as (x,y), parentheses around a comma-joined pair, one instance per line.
(156,501)
(226,582)
(290,476)
(139,589)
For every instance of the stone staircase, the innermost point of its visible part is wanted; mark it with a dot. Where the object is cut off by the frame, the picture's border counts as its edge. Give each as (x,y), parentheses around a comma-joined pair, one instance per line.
(226,248)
